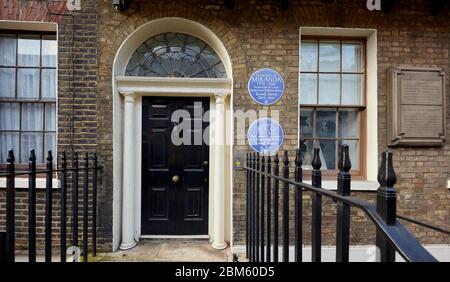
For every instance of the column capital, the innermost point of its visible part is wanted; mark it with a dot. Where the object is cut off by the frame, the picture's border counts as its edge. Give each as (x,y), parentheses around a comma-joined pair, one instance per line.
(129,97)
(220,97)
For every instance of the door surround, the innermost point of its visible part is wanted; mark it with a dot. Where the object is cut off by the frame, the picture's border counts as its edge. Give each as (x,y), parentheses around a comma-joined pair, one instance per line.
(127,129)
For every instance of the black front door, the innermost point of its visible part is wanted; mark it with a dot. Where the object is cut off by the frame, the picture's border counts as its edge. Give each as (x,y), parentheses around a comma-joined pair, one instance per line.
(174,176)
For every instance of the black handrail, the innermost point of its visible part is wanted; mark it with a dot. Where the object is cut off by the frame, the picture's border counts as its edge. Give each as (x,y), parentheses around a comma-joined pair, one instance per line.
(391,234)
(423,224)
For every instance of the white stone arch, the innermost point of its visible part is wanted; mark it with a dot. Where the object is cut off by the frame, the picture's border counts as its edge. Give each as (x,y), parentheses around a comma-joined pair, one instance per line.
(127,128)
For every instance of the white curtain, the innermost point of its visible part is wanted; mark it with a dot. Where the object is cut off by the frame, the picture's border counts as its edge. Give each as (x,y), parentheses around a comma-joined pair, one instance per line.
(7,58)
(36,121)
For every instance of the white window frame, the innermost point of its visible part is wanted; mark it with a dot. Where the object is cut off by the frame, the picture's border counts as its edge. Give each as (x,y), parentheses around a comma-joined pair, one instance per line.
(43,27)
(371,146)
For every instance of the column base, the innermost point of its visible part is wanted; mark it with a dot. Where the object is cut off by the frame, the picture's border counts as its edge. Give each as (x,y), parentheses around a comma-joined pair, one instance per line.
(127,246)
(219,246)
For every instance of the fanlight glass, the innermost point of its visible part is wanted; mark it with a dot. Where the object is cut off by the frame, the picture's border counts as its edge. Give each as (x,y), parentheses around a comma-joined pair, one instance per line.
(175,55)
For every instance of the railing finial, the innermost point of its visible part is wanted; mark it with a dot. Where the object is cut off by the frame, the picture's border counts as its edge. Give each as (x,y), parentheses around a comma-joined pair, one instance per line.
(316,162)
(276,159)
(298,158)
(344,163)
(386,173)
(32,156)
(49,156)
(10,158)
(286,158)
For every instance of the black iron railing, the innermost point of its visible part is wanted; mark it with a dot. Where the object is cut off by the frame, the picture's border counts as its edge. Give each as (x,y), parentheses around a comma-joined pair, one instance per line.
(263,195)
(7,239)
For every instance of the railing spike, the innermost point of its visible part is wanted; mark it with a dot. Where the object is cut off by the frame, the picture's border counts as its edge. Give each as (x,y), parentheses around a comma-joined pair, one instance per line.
(32,156)
(298,158)
(276,159)
(386,173)
(316,162)
(49,156)
(344,163)
(286,158)
(11,157)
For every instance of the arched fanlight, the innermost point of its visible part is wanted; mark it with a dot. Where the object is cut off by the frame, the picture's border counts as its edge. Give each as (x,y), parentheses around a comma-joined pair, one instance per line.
(175,55)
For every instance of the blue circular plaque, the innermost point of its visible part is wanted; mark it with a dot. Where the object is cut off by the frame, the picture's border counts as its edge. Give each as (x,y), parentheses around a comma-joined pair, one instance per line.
(266,86)
(265,135)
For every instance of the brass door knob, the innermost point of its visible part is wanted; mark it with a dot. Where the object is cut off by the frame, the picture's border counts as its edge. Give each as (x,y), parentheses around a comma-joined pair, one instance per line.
(175,178)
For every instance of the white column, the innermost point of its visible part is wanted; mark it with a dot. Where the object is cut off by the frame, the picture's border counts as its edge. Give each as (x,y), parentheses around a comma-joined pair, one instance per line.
(219,174)
(128,241)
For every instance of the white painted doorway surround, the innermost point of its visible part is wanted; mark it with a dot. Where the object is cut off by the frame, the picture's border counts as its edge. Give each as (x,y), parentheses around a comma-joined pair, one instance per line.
(127,132)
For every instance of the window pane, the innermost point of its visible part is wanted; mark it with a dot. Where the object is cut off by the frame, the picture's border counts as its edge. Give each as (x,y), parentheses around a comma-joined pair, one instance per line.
(50,143)
(9,116)
(49,50)
(8,141)
(309,56)
(31,141)
(28,84)
(353,151)
(308,152)
(32,115)
(329,57)
(29,50)
(50,117)
(7,82)
(7,50)
(352,89)
(327,154)
(306,123)
(308,88)
(326,123)
(351,57)
(48,84)
(348,124)
(329,89)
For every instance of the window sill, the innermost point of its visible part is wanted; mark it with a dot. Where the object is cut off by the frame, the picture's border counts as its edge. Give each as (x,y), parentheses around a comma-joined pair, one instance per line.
(22,183)
(356,185)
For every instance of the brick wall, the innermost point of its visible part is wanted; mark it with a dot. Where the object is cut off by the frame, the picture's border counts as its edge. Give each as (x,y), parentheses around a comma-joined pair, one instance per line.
(257,34)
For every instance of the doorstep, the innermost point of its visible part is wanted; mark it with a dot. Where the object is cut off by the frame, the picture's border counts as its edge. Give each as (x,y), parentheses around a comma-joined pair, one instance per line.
(170,251)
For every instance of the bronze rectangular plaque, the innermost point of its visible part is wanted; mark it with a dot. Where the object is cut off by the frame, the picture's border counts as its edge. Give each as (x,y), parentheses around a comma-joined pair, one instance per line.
(416,108)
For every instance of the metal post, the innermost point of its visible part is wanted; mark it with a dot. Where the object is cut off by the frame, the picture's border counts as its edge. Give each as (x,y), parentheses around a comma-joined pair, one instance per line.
(386,205)
(253,175)
(32,207)
(298,207)
(286,208)
(85,207)
(10,208)
(247,209)
(75,199)
(63,203)
(3,248)
(263,178)
(276,199)
(258,207)
(316,235)
(269,204)
(48,207)
(94,206)
(343,210)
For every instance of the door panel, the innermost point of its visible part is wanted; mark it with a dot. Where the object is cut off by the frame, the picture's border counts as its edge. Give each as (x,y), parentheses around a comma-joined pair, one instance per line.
(168,207)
